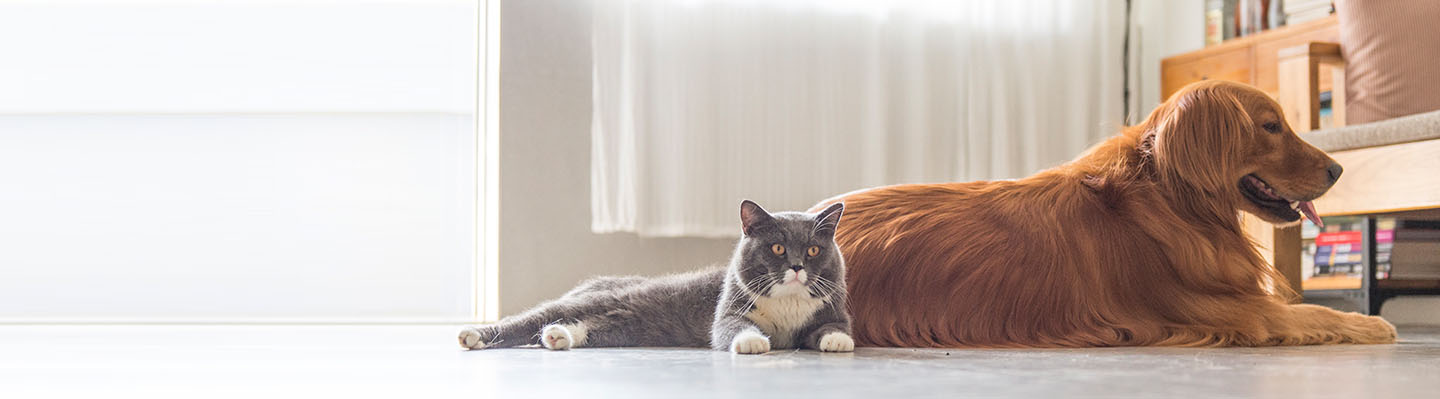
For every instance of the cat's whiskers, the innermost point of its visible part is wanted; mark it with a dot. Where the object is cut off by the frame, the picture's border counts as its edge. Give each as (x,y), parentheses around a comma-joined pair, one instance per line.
(767,282)
(750,303)
(825,291)
(752,287)
(834,286)
(744,288)
(822,280)
(816,287)
(827,287)
(766,285)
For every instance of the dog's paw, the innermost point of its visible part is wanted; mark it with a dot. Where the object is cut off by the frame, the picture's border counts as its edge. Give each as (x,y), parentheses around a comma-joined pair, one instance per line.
(750,343)
(470,338)
(837,342)
(1374,330)
(556,337)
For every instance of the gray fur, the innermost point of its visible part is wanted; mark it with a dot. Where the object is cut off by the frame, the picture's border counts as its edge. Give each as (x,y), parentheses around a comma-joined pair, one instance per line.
(704,308)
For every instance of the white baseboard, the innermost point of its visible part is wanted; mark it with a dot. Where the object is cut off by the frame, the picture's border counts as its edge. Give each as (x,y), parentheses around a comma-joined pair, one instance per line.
(1417,310)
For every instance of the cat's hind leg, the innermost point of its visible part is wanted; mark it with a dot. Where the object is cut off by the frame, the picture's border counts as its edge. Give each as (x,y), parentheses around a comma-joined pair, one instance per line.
(512,333)
(615,328)
(534,325)
(479,337)
(562,336)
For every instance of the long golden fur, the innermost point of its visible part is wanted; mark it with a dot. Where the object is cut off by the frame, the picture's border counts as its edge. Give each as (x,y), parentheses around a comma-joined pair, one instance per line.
(1136,242)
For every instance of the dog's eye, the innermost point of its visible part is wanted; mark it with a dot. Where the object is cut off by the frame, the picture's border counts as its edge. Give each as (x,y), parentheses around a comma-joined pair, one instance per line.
(777,249)
(1272,127)
(813,250)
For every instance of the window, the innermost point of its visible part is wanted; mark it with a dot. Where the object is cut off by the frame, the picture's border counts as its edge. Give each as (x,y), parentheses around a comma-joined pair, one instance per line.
(241,160)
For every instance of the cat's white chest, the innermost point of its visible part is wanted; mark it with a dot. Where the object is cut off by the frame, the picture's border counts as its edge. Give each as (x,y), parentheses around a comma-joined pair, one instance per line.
(780,317)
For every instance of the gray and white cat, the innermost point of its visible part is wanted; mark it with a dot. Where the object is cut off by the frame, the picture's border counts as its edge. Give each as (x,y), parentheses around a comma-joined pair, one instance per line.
(784,288)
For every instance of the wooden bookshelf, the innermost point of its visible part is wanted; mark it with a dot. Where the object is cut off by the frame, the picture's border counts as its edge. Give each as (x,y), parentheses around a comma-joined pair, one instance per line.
(1333,283)
(1253,59)
(1409,284)
(1368,289)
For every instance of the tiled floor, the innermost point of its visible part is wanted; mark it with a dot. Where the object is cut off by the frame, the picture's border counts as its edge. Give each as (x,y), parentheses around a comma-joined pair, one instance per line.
(424,361)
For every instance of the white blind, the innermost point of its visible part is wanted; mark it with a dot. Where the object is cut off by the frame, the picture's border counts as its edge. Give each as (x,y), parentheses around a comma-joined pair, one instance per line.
(701,103)
(237,56)
(237,160)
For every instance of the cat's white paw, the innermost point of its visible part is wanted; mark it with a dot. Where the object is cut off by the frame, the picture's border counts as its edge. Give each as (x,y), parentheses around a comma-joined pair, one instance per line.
(556,337)
(560,337)
(470,338)
(750,343)
(837,342)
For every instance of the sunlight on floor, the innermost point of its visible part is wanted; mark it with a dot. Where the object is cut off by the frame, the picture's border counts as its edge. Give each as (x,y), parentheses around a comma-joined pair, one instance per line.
(424,361)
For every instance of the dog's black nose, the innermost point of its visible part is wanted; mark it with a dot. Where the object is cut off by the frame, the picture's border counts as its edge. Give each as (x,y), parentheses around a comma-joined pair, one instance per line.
(1334,170)
(796,267)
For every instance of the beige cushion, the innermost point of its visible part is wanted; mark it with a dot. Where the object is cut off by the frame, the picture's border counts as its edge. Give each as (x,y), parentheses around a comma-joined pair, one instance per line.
(1392,56)
(1404,129)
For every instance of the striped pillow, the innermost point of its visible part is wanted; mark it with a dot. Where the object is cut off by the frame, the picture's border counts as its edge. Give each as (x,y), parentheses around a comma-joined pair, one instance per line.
(1392,56)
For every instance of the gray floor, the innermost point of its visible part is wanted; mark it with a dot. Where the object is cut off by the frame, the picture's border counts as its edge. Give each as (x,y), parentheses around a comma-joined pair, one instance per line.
(423,361)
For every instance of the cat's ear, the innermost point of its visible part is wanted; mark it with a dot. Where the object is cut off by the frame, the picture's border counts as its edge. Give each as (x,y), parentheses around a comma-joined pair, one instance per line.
(752,216)
(828,219)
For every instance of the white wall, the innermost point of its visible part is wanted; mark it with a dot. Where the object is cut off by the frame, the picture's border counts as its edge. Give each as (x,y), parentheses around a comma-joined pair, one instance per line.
(545,241)
(165,160)
(265,217)
(1163,28)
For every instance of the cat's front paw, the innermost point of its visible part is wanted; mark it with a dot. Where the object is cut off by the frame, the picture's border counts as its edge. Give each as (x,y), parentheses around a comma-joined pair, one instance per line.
(750,343)
(837,342)
(470,338)
(556,337)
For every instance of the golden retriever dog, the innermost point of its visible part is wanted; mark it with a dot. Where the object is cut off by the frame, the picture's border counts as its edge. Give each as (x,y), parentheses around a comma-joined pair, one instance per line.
(1136,242)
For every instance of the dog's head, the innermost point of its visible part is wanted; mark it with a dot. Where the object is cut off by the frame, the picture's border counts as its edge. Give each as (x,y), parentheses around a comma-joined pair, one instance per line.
(1231,141)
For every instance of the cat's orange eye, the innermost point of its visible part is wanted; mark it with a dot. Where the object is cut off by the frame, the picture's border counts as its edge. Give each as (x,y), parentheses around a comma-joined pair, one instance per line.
(814,250)
(777,249)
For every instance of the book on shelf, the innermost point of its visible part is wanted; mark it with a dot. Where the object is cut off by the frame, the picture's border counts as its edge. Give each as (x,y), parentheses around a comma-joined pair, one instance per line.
(1334,256)
(1327,110)
(1407,249)
(1340,252)
(1300,11)
(1219,21)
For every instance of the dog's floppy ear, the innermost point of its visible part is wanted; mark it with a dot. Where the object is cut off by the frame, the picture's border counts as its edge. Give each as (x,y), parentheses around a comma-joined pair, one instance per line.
(1199,135)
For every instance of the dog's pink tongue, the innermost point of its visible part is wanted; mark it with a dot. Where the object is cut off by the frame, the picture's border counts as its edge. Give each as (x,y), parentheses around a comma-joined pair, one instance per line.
(1309,211)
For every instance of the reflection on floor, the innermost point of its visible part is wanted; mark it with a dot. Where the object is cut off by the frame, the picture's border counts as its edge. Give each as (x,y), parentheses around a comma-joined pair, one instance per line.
(424,361)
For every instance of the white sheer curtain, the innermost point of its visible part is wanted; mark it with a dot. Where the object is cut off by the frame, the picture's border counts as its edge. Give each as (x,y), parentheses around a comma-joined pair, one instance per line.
(698,104)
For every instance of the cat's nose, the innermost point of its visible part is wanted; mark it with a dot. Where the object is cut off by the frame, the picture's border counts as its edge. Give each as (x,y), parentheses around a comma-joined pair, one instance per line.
(796,268)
